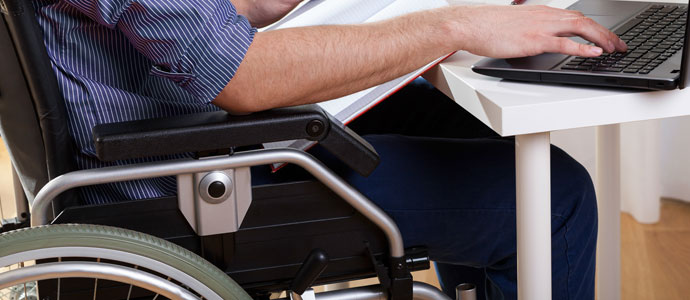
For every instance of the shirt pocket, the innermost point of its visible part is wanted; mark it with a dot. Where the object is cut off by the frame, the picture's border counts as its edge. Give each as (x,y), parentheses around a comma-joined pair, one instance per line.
(181,78)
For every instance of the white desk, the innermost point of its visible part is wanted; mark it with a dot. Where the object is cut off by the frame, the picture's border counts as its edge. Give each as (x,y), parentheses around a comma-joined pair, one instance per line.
(530,112)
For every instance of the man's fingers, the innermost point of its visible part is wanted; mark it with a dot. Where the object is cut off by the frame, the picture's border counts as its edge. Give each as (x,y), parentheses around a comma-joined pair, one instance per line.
(592,31)
(540,29)
(570,47)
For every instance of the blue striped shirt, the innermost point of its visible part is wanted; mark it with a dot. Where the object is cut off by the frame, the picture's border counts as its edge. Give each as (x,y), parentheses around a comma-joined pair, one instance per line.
(123,60)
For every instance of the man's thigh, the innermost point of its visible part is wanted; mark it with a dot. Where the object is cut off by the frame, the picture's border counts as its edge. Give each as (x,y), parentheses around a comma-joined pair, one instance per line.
(457,196)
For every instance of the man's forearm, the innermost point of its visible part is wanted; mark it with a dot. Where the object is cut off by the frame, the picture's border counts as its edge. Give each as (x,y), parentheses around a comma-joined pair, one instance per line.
(311,64)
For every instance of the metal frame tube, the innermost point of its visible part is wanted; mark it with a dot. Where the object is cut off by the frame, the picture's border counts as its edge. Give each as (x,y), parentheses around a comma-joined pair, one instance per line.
(423,291)
(420,291)
(94,270)
(20,202)
(41,204)
(466,291)
(371,292)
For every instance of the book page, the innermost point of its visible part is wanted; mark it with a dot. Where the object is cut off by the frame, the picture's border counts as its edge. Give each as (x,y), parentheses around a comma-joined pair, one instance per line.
(504,2)
(337,105)
(377,94)
(349,107)
(295,13)
(332,12)
(328,12)
(402,7)
(355,12)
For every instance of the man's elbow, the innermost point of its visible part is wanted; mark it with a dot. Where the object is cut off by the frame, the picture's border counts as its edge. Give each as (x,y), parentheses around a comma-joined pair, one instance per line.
(238,101)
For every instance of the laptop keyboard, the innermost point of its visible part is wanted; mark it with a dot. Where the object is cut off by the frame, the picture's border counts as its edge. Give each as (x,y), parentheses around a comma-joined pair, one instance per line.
(652,37)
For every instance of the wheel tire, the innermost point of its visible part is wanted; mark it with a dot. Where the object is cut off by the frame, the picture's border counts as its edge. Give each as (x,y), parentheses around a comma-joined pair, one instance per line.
(111,238)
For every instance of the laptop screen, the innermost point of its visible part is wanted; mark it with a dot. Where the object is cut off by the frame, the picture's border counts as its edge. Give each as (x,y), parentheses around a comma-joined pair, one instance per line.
(685,61)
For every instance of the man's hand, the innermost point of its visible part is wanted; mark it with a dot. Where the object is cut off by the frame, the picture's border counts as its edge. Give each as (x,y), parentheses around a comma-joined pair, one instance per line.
(264,12)
(526,30)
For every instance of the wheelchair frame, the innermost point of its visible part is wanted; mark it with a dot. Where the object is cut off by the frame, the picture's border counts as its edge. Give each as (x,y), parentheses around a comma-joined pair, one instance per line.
(41,209)
(41,204)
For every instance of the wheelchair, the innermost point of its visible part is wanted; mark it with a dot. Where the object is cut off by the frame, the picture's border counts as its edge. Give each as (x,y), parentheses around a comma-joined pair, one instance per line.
(221,237)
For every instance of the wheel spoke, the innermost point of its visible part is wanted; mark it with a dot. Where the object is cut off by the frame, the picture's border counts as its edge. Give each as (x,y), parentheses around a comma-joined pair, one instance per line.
(95,284)
(95,288)
(129,293)
(26,296)
(58,282)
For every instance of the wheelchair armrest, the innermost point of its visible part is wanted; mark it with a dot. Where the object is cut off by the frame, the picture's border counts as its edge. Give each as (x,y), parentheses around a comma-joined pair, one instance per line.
(220,130)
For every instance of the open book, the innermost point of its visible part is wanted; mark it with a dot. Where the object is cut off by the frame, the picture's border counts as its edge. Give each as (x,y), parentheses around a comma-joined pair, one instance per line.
(554,3)
(337,12)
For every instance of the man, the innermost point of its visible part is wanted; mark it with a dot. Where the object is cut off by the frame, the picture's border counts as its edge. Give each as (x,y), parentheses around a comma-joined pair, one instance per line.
(446,184)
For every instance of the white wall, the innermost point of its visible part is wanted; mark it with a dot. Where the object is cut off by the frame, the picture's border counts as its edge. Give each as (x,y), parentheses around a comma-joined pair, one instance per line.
(655,162)
(580,144)
(675,158)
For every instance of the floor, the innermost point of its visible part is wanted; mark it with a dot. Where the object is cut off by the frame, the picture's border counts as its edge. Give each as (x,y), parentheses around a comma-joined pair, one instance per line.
(6,191)
(655,258)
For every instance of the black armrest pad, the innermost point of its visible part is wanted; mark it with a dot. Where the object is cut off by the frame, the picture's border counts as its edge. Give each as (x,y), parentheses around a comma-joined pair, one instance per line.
(220,130)
(205,132)
(350,148)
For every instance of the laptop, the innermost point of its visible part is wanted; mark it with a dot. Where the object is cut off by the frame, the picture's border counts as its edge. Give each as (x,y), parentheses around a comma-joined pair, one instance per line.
(657,58)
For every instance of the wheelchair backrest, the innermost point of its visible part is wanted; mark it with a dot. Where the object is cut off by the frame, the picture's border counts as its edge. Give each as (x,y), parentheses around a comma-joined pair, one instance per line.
(33,118)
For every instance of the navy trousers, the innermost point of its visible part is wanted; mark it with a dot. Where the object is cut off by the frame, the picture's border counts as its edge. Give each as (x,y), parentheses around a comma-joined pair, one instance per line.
(449,183)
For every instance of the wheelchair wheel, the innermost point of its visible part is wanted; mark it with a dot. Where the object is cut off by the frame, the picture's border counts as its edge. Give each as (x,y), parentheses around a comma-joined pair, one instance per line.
(98,262)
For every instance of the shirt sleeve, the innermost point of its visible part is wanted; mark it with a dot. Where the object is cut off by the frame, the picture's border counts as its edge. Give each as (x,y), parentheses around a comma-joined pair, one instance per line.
(199,44)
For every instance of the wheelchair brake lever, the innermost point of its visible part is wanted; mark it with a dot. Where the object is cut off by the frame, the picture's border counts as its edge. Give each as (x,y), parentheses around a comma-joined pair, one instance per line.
(311,269)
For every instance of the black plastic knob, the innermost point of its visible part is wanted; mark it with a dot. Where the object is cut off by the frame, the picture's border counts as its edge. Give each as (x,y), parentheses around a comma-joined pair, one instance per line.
(216,189)
(315,128)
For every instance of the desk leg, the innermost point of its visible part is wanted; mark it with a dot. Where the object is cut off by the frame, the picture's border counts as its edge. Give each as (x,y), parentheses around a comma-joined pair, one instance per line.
(533,167)
(609,202)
